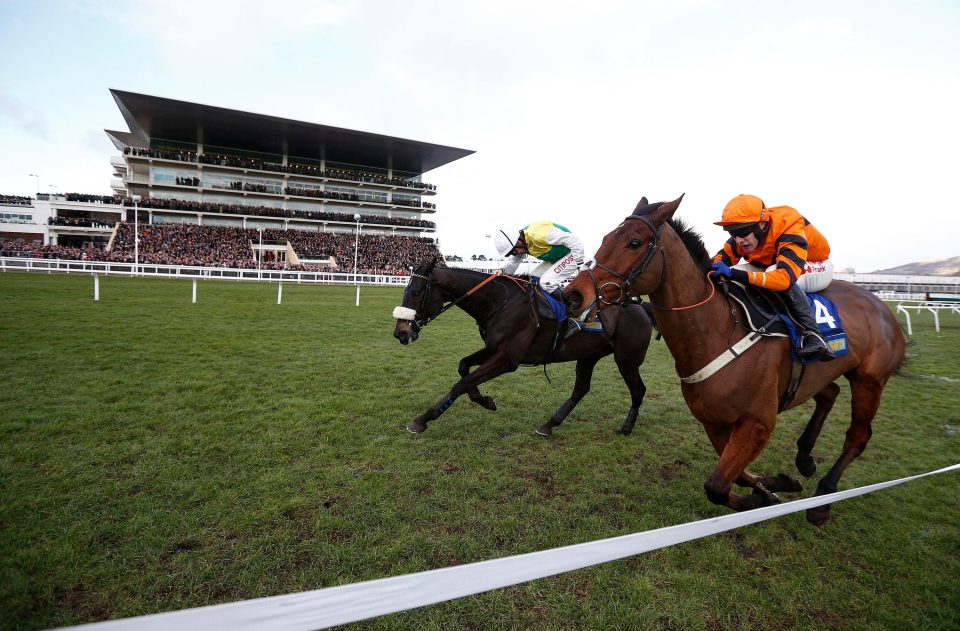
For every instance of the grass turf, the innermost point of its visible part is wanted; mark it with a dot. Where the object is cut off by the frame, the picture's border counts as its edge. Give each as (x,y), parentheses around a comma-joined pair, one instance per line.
(157,454)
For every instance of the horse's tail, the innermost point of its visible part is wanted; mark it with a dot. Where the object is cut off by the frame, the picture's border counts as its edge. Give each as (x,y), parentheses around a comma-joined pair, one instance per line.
(901,370)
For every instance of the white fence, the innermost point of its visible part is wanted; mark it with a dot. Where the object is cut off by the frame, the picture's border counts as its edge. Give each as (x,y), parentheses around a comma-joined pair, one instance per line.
(13,264)
(933,307)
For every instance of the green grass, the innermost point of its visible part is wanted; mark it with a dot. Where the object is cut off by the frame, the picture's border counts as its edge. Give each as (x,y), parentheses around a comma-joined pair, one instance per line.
(157,455)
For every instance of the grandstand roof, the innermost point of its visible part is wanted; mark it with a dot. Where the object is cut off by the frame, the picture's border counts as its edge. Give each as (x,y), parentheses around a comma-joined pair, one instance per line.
(154,117)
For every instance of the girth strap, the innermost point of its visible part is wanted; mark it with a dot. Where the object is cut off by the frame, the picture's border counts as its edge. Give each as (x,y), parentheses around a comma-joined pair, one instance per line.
(727,356)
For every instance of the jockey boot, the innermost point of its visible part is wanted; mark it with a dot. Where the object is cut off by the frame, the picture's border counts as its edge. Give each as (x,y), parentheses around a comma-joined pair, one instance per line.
(569,326)
(812,345)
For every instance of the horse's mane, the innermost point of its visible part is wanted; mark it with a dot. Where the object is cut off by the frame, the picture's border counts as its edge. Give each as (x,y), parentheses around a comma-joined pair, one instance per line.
(691,239)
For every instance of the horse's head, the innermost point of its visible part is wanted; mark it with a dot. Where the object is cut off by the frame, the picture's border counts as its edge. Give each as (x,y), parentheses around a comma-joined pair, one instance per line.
(420,303)
(627,261)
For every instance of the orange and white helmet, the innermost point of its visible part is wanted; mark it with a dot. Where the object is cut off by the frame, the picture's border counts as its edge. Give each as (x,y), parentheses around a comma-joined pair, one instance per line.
(743,209)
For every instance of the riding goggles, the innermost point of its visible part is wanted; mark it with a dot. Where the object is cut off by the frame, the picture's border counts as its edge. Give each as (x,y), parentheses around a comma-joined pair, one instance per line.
(742,230)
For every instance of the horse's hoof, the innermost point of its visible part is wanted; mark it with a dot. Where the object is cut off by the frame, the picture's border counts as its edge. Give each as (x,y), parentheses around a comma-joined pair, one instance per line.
(766,497)
(819,516)
(488,403)
(416,428)
(543,430)
(623,431)
(806,467)
(788,484)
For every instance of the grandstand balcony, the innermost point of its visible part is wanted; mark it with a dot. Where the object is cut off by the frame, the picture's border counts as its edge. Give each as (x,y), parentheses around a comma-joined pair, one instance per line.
(242,192)
(266,173)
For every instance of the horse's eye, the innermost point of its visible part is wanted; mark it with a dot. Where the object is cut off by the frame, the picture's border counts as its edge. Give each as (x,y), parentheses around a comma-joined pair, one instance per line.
(415,292)
(634,244)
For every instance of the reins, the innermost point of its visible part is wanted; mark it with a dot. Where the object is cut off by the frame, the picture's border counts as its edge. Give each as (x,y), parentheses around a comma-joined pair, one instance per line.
(427,320)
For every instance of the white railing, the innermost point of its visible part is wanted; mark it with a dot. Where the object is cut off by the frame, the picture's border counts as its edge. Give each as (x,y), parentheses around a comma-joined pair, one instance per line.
(15,264)
(932,306)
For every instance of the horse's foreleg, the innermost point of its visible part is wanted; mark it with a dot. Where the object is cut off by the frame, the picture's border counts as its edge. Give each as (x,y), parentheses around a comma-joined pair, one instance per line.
(580,389)
(740,447)
(498,364)
(824,400)
(631,376)
(865,393)
(466,364)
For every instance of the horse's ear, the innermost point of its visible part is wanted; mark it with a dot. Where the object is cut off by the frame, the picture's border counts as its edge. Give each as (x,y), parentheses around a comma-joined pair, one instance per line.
(643,203)
(666,210)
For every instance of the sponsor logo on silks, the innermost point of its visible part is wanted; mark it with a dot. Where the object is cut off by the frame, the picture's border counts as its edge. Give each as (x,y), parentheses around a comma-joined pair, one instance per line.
(838,345)
(815,267)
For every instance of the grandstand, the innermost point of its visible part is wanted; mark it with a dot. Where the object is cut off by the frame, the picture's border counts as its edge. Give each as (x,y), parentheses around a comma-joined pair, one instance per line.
(259,191)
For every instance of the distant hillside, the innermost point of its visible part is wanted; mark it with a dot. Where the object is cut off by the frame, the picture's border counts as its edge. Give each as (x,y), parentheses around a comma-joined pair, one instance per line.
(946,267)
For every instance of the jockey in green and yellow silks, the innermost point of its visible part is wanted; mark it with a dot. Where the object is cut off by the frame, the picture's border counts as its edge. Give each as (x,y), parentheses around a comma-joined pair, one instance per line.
(560,251)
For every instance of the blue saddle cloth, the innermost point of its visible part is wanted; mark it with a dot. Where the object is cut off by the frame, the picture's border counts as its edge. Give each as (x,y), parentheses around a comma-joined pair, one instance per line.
(557,307)
(828,319)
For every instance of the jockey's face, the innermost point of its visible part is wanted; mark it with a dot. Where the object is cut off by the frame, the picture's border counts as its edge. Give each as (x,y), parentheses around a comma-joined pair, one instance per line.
(748,243)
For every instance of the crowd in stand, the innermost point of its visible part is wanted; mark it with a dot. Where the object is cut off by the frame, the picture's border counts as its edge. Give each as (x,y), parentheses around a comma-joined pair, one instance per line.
(80,222)
(16,200)
(223,246)
(92,199)
(263,165)
(266,211)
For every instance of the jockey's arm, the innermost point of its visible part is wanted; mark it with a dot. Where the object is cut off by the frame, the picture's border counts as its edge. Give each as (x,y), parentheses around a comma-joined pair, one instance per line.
(790,261)
(569,240)
(512,263)
(728,255)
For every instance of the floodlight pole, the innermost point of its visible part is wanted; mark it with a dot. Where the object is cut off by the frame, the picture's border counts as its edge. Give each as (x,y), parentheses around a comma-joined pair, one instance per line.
(260,250)
(136,234)
(356,254)
(38,182)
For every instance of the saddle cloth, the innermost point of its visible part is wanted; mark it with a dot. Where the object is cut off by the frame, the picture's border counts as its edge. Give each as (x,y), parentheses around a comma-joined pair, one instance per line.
(762,306)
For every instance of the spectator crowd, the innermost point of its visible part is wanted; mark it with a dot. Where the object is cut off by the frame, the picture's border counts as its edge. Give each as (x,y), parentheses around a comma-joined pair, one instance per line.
(223,246)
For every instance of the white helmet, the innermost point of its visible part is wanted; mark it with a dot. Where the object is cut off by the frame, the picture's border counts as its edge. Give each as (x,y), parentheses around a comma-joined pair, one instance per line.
(502,242)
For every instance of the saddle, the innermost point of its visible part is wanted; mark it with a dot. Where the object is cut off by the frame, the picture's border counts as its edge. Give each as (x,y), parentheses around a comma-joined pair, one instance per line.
(543,305)
(767,314)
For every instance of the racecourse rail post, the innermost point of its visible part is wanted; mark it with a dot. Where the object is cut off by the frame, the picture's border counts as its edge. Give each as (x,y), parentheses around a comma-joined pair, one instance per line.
(194,291)
(279,291)
(96,288)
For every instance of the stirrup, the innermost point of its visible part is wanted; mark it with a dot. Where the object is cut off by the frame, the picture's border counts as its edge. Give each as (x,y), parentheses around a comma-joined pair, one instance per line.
(573,327)
(818,348)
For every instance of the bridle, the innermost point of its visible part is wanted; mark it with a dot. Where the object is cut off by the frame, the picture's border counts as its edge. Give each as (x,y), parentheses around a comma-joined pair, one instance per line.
(623,287)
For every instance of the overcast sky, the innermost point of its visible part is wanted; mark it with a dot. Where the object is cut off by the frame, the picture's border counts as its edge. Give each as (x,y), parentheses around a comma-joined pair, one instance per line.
(847,111)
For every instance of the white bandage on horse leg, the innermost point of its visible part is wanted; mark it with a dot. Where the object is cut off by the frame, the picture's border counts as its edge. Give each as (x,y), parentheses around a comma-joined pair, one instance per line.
(404,313)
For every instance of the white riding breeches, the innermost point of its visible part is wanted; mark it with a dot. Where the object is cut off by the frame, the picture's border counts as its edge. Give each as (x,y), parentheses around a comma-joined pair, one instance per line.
(816,275)
(553,275)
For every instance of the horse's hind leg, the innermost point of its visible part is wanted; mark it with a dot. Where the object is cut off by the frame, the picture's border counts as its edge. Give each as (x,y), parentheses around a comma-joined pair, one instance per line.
(464,369)
(824,400)
(865,391)
(580,388)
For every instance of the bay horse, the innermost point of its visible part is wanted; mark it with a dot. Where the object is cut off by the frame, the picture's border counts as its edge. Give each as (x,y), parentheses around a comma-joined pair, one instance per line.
(649,254)
(514,335)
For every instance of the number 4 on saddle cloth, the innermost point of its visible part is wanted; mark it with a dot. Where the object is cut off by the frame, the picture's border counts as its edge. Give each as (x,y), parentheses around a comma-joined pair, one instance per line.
(762,306)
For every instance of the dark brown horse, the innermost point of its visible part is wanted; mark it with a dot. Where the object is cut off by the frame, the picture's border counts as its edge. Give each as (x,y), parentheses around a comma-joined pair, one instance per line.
(513,336)
(738,405)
